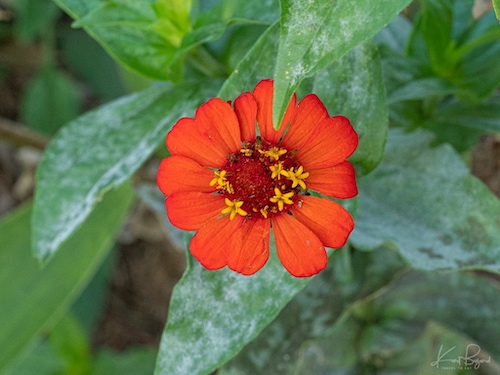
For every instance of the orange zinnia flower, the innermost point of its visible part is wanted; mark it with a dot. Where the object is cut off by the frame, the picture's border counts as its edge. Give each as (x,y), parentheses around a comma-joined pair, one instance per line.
(233,184)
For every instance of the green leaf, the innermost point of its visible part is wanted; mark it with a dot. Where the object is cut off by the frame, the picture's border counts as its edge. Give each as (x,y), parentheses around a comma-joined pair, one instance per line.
(420,89)
(71,343)
(436,26)
(33,18)
(86,58)
(479,71)
(37,297)
(39,359)
(130,362)
(129,32)
(353,87)
(466,303)
(213,314)
(496,6)
(484,117)
(173,19)
(255,66)
(423,202)
(151,38)
(50,101)
(314,311)
(316,33)
(394,329)
(100,150)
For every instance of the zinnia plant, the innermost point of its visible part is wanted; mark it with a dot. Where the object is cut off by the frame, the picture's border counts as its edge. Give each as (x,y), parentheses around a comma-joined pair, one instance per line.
(232,177)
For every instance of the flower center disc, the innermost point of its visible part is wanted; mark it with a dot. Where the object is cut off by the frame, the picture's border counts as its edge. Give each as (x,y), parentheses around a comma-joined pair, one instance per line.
(259,180)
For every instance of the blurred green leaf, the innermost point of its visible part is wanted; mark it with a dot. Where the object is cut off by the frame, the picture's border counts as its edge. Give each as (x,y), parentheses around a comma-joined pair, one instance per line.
(353,87)
(173,19)
(436,27)
(478,71)
(33,17)
(132,361)
(484,117)
(466,303)
(496,6)
(39,359)
(255,66)
(35,298)
(100,150)
(211,25)
(420,89)
(150,39)
(394,330)
(50,101)
(316,33)
(395,35)
(92,64)
(71,343)
(423,202)
(128,30)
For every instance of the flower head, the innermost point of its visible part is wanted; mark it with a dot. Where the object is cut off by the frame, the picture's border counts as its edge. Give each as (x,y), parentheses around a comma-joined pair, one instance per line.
(234,179)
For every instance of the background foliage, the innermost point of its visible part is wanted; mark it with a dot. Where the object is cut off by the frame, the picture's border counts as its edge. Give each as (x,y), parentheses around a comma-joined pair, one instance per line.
(420,87)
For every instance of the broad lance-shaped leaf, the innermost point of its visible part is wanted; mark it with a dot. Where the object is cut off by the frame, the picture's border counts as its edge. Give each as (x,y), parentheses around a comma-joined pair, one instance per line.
(424,202)
(353,86)
(99,150)
(316,33)
(34,298)
(213,314)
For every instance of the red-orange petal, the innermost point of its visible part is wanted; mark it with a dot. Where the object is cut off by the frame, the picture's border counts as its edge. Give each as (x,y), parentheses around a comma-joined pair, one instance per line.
(250,247)
(190,210)
(245,108)
(210,244)
(331,222)
(263,94)
(308,114)
(217,120)
(179,174)
(187,139)
(333,141)
(299,249)
(338,181)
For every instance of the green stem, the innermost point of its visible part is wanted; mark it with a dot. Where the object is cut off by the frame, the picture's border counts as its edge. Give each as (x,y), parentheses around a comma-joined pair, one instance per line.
(205,63)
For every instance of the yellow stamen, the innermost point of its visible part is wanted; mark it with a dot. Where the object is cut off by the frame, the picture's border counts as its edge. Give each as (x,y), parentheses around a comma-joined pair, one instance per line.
(264,211)
(275,152)
(246,151)
(281,198)
(278,171)
(297,177)
(219,179)
(233,208)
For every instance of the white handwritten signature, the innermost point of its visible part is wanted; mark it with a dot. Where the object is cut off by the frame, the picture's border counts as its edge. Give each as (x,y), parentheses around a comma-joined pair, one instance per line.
(469,360)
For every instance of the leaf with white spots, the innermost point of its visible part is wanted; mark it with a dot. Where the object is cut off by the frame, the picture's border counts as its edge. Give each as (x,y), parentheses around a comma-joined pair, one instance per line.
(353,87)
(213,314)
(315,33)
(101,150)
(424,202)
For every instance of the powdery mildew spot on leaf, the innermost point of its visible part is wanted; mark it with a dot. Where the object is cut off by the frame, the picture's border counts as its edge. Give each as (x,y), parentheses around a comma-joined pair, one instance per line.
(424,202)
(213,314)
(98,152)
